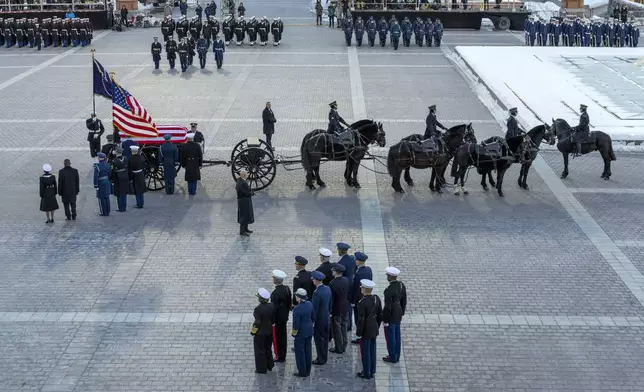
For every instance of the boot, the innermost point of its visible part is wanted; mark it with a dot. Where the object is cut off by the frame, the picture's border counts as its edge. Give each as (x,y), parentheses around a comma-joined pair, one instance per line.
(578,150)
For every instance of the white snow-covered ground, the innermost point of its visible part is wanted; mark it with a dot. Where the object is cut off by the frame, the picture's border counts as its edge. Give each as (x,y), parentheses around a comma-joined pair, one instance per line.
(545,10)
(546,83)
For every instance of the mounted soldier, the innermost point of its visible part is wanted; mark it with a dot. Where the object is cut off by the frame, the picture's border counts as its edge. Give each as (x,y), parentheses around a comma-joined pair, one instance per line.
(513,125)
(582,131)
(431,123)
(335,119)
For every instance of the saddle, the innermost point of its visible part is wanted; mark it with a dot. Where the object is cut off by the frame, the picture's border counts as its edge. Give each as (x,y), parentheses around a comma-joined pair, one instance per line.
(345,138)
(493,150)
(428,146)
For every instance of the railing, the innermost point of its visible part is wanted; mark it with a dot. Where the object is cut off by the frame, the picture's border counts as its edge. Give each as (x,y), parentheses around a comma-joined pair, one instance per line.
(49,5)
(415,5)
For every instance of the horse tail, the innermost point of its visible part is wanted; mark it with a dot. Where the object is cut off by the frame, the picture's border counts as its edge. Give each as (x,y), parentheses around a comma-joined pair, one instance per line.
(391,162)
(611,153)
(304,153)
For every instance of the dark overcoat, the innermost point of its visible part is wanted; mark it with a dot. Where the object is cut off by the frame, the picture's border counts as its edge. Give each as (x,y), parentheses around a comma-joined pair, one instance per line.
(245,215)
(268,118)
(135,168)
(120,176)
(191,160)
(68,184)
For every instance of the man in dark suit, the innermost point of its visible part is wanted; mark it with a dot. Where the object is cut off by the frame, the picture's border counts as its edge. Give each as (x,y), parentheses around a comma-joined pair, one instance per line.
(68,188)
(268,117)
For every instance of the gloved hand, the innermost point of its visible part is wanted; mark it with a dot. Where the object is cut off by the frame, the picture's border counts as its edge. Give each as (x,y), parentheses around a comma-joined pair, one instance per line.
(385,325)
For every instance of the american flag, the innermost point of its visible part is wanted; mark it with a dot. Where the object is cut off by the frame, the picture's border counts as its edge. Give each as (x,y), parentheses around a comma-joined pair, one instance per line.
(179,135)
(129,116)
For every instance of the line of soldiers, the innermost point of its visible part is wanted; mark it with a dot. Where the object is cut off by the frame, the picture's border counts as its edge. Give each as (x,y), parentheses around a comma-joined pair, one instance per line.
(581,32)
(426,32)
(48,32)
(323,303)
(237,28)
(186,51)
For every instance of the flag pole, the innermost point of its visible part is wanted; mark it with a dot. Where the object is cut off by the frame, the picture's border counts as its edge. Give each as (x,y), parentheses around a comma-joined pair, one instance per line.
(93,95)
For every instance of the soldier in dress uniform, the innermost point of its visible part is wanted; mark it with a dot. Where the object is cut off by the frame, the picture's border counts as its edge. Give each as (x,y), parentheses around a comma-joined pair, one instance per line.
(431,123)
(191,160)
(369,311)
(156,50)
(419,31)
(372,28)
(218,47)
(171,49)
(84,32)
(198,135)
(38,37)
(407,30)
(251,29)
(281,297)
(31,32)
(396,32)
(56,31)
(135,167)
(2,27)
(335,120)
(227,26)
(74,32)
(182,28)
(362,272)
(102,184)
(195,28)
(95,131)
(65,32)
(438,32)
(192,45)
(108,148)
(302,279)
(582,131)
(340,288)
(120,179)
(262,332)
(207,30)
(348,31)
(383,29)
(321,300)
(513,125)
(325,265)
(169,158)
(202,51)
(349,263)
(263,28)
(126,145)
(303,333)
(240,31)
(167,28)
(277,27)
(8,32)
(395,304)
(359,29)
(183,54)
(20,32)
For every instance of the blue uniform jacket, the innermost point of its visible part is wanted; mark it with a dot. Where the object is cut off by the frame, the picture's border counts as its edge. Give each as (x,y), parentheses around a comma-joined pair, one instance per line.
(321,305)
(349,262)
(126,147)
(348,26)
(102,179)
(532,30)
(438,29)
(303,320)
(359,27)
(395,30)
(363,272)
(169,158)
(371,27)
(202,46)
(428,28)
(383,27)
(218,48)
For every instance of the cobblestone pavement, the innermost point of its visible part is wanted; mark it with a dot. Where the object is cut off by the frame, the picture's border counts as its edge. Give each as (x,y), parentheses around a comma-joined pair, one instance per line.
(540,290)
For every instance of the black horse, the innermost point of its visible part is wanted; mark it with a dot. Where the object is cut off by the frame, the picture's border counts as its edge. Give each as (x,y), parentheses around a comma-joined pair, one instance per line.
(351,146)
(495,153)
(436,153)
(597,141)
(530,148)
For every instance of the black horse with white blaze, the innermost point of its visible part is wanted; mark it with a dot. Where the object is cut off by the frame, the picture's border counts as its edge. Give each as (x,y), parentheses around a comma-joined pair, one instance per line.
(597,141)
(350,145)
(434,153)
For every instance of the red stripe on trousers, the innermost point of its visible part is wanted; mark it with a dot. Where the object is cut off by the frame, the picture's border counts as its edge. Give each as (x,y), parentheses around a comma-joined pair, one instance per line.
(275,344)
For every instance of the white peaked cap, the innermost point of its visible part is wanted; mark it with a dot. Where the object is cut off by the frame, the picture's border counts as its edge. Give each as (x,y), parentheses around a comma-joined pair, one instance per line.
(263,293)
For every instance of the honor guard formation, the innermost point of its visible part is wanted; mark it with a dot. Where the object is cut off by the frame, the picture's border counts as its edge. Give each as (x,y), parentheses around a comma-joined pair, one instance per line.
(613,33)
(426,32)
(326,304)
(46,32)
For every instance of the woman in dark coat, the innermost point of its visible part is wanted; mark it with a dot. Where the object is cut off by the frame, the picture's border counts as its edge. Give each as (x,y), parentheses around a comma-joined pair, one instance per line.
(48,192)
(245,214)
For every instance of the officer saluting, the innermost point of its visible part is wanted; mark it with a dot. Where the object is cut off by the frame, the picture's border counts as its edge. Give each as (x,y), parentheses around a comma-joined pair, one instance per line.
(369,318)
(302,279)
(335,119)
(431,122)
(281,298)
(96,129)
(513,125)
(262,331)
(156,49)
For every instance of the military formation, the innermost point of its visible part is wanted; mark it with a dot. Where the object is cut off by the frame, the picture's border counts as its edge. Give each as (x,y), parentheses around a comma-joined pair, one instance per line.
(326,304)
(37,33)
(424,33)
(613,33)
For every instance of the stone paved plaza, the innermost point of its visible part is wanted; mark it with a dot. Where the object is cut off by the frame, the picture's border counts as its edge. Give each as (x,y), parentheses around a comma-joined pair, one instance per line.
(541,290)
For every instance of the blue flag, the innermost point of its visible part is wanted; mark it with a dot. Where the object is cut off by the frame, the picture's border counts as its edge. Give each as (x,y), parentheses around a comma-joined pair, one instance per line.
(102,82)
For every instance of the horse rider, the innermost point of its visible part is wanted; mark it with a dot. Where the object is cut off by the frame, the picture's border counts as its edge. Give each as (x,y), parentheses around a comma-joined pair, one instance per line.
(582,131)
(335,120)
(513,125)
(431,123)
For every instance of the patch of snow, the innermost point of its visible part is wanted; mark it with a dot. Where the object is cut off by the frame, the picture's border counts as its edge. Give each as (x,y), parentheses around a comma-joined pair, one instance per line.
(529,79)
(143,7)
